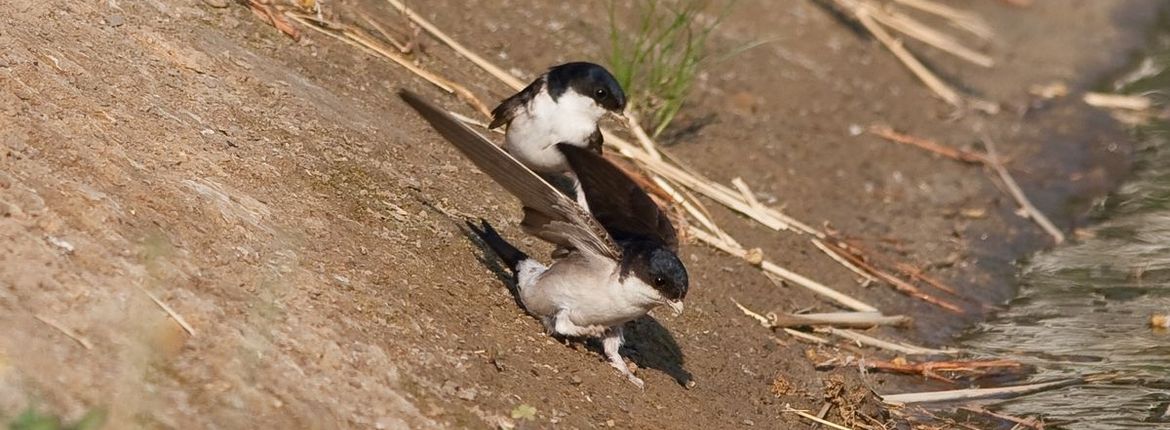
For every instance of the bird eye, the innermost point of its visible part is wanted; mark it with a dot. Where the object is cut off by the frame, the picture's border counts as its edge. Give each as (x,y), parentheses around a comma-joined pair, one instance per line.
(659,281)
(600,93)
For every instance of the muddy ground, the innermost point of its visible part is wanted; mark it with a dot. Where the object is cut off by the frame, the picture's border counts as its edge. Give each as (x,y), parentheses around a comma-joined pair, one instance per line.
(305,223)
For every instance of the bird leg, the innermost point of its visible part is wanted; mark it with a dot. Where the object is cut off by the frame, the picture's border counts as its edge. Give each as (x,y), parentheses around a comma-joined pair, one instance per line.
(611,344)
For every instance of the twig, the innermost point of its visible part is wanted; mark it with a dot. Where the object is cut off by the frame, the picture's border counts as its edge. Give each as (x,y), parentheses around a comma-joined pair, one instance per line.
(916,273)
(1018,194)
(878,343)
(980,393)
(844,262)
(927,144)
(931,368)
(174,315)
(85,343)
(814,418)
(898,284)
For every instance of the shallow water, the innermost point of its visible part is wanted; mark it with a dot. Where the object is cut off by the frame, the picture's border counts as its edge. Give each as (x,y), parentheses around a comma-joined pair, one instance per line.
(1084,308)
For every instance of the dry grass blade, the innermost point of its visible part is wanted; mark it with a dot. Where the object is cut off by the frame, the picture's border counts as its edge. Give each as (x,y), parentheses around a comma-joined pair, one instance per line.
(499,73)
(354,36)
(839,319)
(814,418)
(787,275)
(881,344)
(85,343)
(911,62)
(925,34)
(746,193)
(807,337)
(403,48)
(1118,101)
(866,16)
(968,21)
(980,393)
(1018,194)
(764,321)
(171,312)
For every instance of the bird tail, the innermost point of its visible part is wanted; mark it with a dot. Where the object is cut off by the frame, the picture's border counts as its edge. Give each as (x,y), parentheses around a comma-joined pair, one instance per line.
(511,256)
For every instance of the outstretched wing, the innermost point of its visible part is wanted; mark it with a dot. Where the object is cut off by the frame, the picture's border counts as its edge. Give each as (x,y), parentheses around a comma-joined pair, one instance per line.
(549,214)
(510,107)
(617,202)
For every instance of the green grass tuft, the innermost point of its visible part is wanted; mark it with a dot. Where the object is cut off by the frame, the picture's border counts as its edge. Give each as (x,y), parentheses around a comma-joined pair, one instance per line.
(31,419)
(657,62)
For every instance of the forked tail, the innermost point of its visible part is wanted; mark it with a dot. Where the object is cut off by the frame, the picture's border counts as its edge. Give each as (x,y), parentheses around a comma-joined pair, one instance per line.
(511,256)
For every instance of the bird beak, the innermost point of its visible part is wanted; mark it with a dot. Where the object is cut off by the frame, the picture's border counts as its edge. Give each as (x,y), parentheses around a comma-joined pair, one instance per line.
(676,306)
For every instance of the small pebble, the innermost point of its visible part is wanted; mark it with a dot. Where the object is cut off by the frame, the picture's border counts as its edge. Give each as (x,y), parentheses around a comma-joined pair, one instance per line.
(219,4)
(1160,321)
(115,20)
(575,380)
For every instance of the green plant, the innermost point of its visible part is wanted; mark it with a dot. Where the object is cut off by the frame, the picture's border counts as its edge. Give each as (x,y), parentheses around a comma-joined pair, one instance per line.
(31,419)
(657,62)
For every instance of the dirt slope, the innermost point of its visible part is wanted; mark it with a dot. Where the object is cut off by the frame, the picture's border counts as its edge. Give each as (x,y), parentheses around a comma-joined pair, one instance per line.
(306,225)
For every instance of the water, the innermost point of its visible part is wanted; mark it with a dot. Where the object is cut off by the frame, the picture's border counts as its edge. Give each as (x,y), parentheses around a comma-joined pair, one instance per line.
(1084,308)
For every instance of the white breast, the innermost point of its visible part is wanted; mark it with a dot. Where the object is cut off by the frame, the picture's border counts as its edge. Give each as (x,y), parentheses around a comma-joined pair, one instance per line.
(591,292)
(533,133)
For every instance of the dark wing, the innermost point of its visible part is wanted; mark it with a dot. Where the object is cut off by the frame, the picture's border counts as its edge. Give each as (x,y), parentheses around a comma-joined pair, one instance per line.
(507,110)
(617,202)
(549,214)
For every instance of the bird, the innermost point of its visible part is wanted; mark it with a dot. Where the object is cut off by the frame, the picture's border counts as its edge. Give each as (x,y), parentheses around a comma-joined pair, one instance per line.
(563,105)
(620,260)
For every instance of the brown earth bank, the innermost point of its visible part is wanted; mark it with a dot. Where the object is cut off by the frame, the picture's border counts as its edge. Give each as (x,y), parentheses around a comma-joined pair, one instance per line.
(307,226)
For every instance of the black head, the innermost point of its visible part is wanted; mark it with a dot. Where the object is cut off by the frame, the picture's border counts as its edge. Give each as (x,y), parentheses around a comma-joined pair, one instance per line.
(590,80)
(660,268)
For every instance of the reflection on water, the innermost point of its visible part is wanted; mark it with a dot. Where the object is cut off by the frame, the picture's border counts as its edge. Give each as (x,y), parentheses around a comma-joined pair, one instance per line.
(1084,308)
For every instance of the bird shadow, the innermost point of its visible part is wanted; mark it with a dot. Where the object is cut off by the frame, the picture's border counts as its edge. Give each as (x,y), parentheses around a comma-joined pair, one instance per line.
(653,347)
